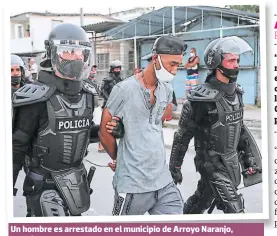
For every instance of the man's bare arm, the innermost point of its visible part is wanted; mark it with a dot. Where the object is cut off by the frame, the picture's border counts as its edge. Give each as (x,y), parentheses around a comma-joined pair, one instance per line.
(107,140)
(196,61)
(191,64)
(167,112)
(186,65)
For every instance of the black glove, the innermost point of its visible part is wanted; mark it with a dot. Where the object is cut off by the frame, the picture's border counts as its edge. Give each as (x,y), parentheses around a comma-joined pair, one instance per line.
(250,165)
(177,175)
(118,131)
(249,161)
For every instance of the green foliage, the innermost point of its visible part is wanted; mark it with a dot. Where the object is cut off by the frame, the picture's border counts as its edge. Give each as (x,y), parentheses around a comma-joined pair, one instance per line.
(248,8)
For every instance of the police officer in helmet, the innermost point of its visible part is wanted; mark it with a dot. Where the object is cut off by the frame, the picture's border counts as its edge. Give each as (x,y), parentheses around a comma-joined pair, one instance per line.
(115,70)
(53,126)
(109,82)
(17,72)
(213,115)
(17,78)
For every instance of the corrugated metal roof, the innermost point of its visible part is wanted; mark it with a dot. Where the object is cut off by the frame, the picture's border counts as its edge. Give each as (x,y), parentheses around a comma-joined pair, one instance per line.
(159,21)
(227,11)
(130,10)
(102,26)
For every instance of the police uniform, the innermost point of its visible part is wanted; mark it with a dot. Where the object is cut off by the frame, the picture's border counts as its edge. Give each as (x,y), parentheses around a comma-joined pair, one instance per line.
(53,125)
(109,82)
(213,115)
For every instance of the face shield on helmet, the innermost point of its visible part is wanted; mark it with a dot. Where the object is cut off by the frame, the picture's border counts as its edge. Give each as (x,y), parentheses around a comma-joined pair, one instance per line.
(71,59)
(234,45)
(231,50)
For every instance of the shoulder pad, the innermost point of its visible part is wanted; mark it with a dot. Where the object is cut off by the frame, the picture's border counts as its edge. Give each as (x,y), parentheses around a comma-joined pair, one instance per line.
(32,93)
(240,89)
(204,93)
(89,88)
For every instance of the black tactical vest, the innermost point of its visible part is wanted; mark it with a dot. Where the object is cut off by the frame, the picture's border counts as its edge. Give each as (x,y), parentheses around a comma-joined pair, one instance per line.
(225,133)
(63,143)
(110,82)
(222,135)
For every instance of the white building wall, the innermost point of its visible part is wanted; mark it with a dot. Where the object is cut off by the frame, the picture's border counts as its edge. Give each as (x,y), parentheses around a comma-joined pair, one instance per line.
(21,45)
(40,28)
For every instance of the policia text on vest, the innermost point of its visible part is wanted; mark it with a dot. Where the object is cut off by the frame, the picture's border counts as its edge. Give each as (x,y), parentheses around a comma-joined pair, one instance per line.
(71,124)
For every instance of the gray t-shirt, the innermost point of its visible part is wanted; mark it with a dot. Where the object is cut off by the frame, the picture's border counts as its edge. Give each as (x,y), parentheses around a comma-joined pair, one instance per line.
(141,157)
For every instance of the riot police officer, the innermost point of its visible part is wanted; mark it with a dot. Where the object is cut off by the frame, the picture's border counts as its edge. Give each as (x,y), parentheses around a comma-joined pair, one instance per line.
(53,125)
(17,72)
(213,115)
(17,81)
(109,82)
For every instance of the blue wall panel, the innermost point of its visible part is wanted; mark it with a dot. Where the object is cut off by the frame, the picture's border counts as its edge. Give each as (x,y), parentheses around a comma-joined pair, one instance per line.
(247,77)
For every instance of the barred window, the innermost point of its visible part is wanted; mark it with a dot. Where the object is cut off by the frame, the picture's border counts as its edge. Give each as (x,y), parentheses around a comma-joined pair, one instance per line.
(103,61)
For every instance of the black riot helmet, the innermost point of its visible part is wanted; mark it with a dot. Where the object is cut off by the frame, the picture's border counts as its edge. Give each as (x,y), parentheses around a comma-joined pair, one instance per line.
(17,78)
(70,52)
(216,51)
(115,67)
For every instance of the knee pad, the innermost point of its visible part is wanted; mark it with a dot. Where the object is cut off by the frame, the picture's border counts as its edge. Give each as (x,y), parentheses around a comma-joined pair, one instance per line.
(200,201)
(229,200)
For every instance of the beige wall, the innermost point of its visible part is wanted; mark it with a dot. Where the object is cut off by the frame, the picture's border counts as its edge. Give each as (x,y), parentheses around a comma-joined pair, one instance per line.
(116,51)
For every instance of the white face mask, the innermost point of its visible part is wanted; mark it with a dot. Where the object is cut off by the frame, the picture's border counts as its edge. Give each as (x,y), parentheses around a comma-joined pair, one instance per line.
(192,54)
(162,74)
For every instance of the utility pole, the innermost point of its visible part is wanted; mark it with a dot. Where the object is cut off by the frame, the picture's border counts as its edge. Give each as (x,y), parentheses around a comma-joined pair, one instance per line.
(173,20)
(82,17)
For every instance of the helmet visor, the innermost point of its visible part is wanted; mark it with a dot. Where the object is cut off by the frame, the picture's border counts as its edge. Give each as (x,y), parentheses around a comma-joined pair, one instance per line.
(71,59)
(233,45)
